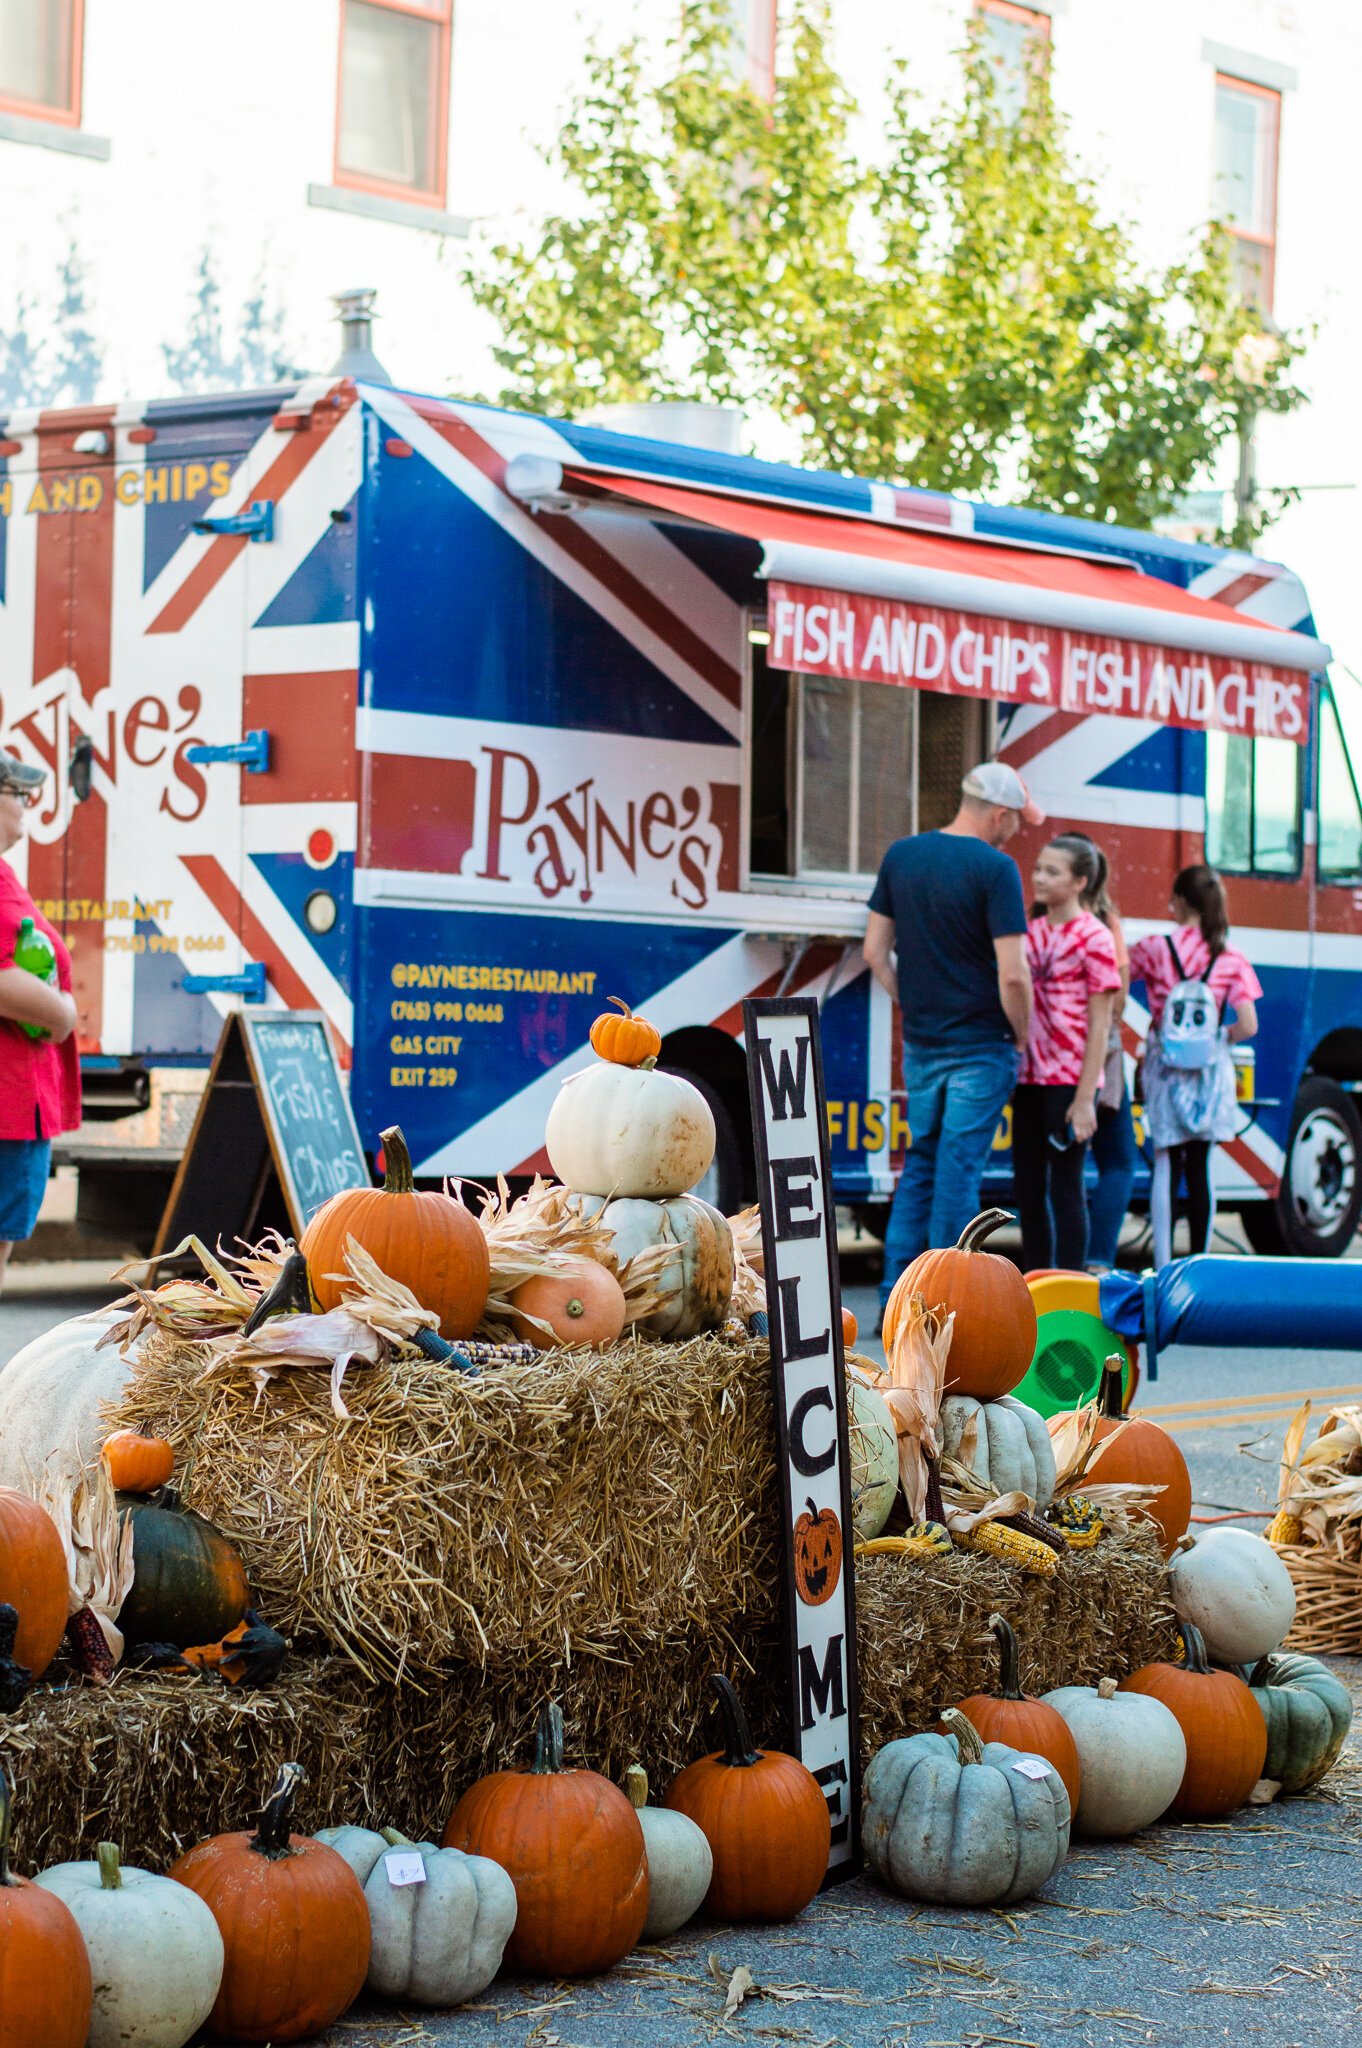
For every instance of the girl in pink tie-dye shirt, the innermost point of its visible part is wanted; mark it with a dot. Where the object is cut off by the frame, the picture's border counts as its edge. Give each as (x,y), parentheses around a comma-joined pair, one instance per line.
(1074,976)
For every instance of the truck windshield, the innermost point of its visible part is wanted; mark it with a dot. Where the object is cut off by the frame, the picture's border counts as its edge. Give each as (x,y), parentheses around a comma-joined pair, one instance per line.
(1340,756)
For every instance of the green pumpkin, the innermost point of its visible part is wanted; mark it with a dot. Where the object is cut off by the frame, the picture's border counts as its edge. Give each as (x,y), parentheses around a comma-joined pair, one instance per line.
(951,1819)
(1308,1713)
(188,1584)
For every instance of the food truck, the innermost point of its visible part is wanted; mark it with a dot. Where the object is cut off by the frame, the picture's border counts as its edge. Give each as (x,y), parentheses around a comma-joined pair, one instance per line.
(452,722)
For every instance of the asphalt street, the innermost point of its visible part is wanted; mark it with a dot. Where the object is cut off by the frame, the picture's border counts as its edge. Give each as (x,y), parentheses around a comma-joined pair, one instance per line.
(1246,1930)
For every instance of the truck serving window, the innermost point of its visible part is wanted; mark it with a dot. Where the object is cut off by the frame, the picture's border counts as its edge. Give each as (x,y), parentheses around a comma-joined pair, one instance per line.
(1340,800)
(1253,805)
(839,770)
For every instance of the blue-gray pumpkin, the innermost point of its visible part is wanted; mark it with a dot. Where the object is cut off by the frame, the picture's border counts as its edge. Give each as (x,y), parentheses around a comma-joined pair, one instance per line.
(961,1822)
(1308,1712)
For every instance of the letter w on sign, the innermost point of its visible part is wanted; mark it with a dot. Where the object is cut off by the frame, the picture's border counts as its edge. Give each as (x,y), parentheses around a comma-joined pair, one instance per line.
(804,1300)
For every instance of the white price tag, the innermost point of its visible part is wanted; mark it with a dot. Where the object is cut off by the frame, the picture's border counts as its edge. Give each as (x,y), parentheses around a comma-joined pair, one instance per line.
(1029,1766)
(405,1866)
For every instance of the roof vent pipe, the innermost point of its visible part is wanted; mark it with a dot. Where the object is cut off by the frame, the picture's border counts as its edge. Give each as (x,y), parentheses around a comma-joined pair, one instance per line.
(355,311)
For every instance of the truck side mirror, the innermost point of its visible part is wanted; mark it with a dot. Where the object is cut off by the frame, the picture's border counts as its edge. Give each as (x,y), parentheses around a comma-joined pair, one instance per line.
(80,768)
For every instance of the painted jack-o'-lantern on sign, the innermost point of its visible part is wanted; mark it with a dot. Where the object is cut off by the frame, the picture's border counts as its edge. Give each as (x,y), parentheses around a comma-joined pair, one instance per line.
(817,1555)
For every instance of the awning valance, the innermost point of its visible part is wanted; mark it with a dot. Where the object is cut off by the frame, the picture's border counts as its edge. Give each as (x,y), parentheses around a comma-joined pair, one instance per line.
(855,598)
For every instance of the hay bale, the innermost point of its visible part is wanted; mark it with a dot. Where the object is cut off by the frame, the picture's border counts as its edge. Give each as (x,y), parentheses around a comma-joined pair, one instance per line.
(585,1505)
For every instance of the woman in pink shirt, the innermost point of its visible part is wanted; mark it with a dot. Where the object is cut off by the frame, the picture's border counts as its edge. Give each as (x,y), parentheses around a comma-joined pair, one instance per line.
(39,1077)
(1054,1109)
(1188,1109)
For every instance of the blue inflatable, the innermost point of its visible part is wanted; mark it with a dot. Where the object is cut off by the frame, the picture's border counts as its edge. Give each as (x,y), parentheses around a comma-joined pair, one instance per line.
(1260,1304)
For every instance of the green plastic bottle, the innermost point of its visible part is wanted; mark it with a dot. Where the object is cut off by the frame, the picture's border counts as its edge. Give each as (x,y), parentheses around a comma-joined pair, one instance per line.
(33,952)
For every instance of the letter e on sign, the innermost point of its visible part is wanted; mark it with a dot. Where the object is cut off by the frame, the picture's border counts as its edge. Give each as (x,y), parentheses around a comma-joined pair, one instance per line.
(804,1314)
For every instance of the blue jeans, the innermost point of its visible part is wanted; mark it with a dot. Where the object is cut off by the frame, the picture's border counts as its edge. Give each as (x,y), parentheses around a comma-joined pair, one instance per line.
(1115,1154)
(955,1099)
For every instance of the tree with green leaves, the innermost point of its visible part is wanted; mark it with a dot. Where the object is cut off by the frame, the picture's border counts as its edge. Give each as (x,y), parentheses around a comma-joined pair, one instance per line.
(959,312)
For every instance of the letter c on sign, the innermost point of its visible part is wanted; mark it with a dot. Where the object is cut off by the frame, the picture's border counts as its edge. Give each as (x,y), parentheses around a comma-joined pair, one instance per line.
(805,1461)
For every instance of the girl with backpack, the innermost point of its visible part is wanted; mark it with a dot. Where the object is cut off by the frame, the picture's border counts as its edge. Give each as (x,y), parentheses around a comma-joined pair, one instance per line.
(1193,979)
(1054,1108)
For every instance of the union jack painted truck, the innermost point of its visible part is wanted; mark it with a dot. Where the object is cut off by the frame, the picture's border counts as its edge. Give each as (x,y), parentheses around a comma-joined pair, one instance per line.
(452,722)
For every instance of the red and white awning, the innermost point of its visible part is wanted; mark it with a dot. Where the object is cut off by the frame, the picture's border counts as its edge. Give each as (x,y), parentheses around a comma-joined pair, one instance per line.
(1021,625)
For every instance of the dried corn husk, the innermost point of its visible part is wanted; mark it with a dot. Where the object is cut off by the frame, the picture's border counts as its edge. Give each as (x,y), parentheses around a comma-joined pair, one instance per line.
(916,1384)
(1077,1449)
(98,1547)
(544,1231)
(746,1228)
(197,1309)
(749,1265)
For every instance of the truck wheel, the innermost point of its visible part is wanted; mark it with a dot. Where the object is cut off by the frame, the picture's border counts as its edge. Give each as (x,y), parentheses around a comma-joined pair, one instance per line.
(1315,1214)
(722,1186)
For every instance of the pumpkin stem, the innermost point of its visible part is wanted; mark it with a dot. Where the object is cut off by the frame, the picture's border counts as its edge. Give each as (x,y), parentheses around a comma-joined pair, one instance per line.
(1111,1401)
(397,1173)
(5,1878)
(1008,1688)
(110,1876)
(1106,1688)
(272,1829)
(636,1785)
(983,1226)
(966,1735)
(620,1004)
(1194,1656)
(548,1740)
(738,1749)
(646,1066)
(395,1839)
(1261,1673)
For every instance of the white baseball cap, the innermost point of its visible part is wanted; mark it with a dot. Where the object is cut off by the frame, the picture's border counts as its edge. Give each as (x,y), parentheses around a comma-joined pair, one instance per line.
(993,782)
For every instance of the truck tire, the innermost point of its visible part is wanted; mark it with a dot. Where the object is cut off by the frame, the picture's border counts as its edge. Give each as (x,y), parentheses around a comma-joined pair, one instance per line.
(722,1186)
(1315,1213)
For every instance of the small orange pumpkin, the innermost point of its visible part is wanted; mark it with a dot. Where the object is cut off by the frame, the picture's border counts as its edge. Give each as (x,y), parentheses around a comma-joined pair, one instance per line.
(33,1579)
(293,1921)
(45,1987)
(584,1305)
(1224,1728)
(428,1241)
(627,1040)
(764,1817)
(850,1327)
(817,1554)
(138,1464)
(1141,1453)
(1022,1721)
(995,1318)
(572,1845)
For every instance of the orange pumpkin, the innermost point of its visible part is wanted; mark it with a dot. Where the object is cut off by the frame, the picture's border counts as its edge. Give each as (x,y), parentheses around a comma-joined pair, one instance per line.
(627,1040)
(765,1820)
(138,1464)
(817,1554)
(995,1318)
(33,1579)
(572,1846)
(293,1921)
(850,1328)
(583,1305)
(1140,1453)
(45,1988)
(1222,1724)
(429,1242)
(1022,1721)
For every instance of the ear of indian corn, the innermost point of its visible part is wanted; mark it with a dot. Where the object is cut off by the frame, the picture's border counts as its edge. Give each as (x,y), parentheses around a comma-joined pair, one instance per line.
(1010,1546)
(1284,1528)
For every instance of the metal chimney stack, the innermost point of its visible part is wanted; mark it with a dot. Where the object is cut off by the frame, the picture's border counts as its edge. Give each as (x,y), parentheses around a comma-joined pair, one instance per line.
(355,310)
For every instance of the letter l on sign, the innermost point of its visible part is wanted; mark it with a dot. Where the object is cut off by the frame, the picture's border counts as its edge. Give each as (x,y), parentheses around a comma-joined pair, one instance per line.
(804,1314)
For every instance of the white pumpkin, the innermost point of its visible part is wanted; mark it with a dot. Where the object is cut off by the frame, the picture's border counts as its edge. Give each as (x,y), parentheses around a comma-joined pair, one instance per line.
(1131,1751)
(629,1131)
(156,1955)
(696,1284)
(359,1847)
(440,1941)
(51,1394)
(680,1860)
(874,1459)
(1011,1449)
(1233,1586)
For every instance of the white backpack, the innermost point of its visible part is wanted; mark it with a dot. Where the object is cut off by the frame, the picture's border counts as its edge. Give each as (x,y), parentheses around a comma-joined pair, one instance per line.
(1189,1035)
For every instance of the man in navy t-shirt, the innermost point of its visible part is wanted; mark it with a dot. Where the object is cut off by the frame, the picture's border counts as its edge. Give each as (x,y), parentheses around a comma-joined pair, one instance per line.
(946,938)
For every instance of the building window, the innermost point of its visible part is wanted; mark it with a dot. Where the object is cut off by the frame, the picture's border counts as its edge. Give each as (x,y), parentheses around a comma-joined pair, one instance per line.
(753,31)
(1247,124)
(392,119)
(1253,805)
(1015,41)
(40,54)
(1340,798)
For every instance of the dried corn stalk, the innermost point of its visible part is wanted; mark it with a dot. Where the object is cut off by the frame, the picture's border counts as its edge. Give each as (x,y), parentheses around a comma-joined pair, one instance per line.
(96,1543)
(1319,1490)
(749,1265)
(198,1309)
(916,1382)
